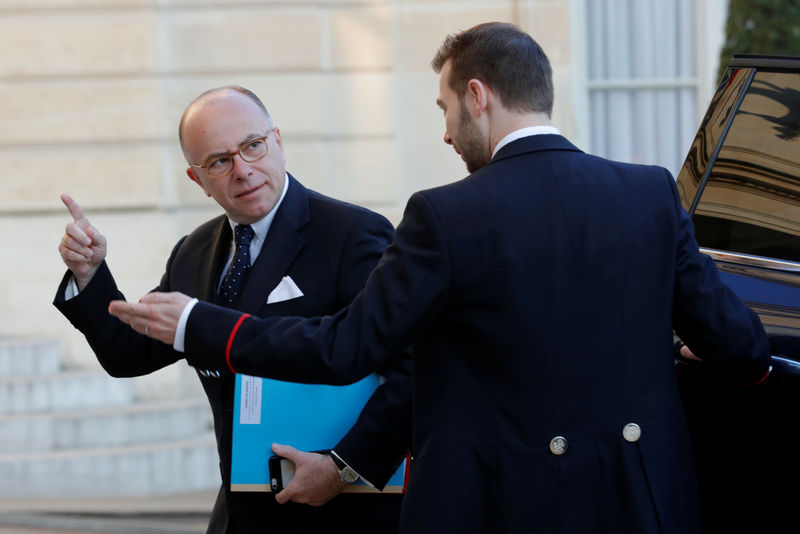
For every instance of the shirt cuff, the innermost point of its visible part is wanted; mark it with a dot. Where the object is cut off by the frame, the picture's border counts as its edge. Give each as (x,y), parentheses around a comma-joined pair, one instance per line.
(71,291)
(180,330)
(367,482)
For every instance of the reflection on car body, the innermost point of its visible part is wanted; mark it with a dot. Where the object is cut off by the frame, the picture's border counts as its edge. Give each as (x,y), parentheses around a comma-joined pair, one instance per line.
(741,183)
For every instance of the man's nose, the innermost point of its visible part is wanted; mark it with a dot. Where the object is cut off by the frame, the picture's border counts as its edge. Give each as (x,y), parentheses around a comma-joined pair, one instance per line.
(447,138)
(241,168)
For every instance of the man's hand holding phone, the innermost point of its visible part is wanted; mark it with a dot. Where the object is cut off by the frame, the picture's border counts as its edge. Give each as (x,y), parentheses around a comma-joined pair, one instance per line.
(315,479)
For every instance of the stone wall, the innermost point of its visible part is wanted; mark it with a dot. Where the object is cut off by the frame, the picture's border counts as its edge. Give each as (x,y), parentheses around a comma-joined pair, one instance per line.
(91,92)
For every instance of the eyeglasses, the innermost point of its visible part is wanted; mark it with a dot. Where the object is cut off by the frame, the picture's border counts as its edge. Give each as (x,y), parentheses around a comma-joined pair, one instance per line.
(252,150)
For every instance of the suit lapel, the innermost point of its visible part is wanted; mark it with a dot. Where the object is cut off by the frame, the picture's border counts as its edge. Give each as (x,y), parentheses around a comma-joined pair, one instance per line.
(209,260)
(216,251)
(282,245)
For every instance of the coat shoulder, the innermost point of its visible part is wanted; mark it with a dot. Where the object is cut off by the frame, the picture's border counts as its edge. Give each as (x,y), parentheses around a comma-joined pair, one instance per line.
(337,213)
(205,230)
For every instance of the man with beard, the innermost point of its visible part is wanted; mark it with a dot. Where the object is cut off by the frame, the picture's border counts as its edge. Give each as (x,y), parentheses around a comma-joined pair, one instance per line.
(540,294)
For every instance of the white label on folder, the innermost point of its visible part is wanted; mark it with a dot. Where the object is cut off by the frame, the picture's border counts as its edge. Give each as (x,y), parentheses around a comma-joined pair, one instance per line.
(250,413)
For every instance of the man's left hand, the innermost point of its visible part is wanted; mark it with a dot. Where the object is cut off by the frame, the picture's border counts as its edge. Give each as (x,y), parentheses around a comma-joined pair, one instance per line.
(155,315)
(316,477)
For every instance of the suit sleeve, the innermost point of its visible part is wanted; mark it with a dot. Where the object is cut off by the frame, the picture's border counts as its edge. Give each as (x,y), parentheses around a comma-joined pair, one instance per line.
(379,440)
(709,317)
(405,293)
(121,351)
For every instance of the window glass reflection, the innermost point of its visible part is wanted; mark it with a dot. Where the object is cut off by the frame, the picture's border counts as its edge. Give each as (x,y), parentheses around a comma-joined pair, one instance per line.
(751,203)
(710,132)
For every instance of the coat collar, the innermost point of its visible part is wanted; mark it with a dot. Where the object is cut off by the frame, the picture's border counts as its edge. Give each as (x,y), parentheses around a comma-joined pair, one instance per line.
(533,143)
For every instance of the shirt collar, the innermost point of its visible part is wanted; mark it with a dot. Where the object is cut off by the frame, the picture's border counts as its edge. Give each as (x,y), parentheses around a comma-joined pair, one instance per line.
(525,132)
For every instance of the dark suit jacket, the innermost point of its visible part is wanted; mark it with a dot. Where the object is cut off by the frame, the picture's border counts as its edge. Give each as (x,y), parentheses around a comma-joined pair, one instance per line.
(540,294)
(328,248)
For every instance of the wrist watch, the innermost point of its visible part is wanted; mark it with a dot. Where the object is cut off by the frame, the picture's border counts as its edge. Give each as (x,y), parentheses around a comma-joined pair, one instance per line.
(346,473)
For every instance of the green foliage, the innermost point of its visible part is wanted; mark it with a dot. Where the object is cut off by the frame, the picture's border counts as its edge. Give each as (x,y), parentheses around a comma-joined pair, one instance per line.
(761,27)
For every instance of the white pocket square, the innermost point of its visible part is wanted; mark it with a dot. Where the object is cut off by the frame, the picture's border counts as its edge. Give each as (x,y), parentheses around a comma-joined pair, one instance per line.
(285,290)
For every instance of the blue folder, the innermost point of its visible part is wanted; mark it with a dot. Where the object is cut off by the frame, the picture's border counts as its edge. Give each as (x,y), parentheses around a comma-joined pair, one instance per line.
(308,417)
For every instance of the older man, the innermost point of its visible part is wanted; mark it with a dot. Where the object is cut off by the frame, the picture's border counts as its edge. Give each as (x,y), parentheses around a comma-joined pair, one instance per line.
(286,234)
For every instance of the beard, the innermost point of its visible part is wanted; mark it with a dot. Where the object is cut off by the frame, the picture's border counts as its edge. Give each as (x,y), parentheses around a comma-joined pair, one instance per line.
(471,142)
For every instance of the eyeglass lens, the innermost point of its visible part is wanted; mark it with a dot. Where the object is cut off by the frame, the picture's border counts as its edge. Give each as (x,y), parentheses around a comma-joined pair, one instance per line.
(252,151)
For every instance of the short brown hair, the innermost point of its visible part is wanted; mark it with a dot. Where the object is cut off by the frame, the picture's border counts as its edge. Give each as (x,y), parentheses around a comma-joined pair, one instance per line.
(503,57)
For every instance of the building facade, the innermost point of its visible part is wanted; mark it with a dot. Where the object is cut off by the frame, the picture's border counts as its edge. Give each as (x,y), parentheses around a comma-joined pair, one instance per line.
(91,92)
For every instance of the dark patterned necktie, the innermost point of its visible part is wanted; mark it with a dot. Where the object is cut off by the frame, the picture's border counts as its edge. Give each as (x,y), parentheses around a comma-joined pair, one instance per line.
(234,279)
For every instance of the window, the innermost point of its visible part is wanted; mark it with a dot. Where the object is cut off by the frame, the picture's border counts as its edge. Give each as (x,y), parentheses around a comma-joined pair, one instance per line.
(642,82)
(751,200)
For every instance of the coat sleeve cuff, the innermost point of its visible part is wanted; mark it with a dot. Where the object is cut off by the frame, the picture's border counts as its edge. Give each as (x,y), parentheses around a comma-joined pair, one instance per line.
(210,332)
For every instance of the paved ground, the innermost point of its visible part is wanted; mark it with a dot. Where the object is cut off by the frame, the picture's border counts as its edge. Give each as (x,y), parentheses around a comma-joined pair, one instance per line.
(164,514)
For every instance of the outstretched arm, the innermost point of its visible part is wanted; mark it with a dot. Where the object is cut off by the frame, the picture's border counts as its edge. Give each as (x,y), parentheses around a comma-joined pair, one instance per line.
(403,296)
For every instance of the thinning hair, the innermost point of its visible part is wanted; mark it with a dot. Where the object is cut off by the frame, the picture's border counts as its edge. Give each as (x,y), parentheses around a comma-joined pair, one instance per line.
(239,89)
(503,57)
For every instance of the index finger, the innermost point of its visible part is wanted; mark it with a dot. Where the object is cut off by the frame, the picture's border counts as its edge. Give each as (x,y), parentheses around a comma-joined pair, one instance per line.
(73,207)
(122,307)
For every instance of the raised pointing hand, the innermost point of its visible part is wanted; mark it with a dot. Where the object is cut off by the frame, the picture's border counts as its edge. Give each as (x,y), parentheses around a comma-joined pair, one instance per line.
(83,247)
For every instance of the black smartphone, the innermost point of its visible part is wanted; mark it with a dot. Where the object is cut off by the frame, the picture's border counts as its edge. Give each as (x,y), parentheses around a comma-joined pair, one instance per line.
(281,472)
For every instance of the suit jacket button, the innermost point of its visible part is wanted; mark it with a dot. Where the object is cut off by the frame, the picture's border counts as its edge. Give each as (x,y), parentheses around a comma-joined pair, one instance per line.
(558,445)
(631,432)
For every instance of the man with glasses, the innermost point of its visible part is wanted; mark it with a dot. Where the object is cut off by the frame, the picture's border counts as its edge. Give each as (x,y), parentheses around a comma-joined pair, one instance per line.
(295,252)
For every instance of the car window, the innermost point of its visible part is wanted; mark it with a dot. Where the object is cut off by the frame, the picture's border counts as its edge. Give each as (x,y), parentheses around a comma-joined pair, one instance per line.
(712,130)
(751,201)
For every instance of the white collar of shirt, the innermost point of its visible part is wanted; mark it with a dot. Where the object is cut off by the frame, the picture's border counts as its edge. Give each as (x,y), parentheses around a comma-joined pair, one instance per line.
(261,228)
(525,132)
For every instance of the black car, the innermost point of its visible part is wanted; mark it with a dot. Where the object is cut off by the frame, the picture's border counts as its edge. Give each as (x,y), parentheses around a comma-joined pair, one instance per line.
(741,184)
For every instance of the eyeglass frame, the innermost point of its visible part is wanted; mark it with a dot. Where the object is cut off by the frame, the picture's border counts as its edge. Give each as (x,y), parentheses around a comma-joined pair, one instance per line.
(231,155)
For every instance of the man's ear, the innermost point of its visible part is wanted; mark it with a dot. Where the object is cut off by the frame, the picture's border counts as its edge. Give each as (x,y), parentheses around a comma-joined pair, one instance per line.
(277,133)
(479,95)
(279,141)
(190,172)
